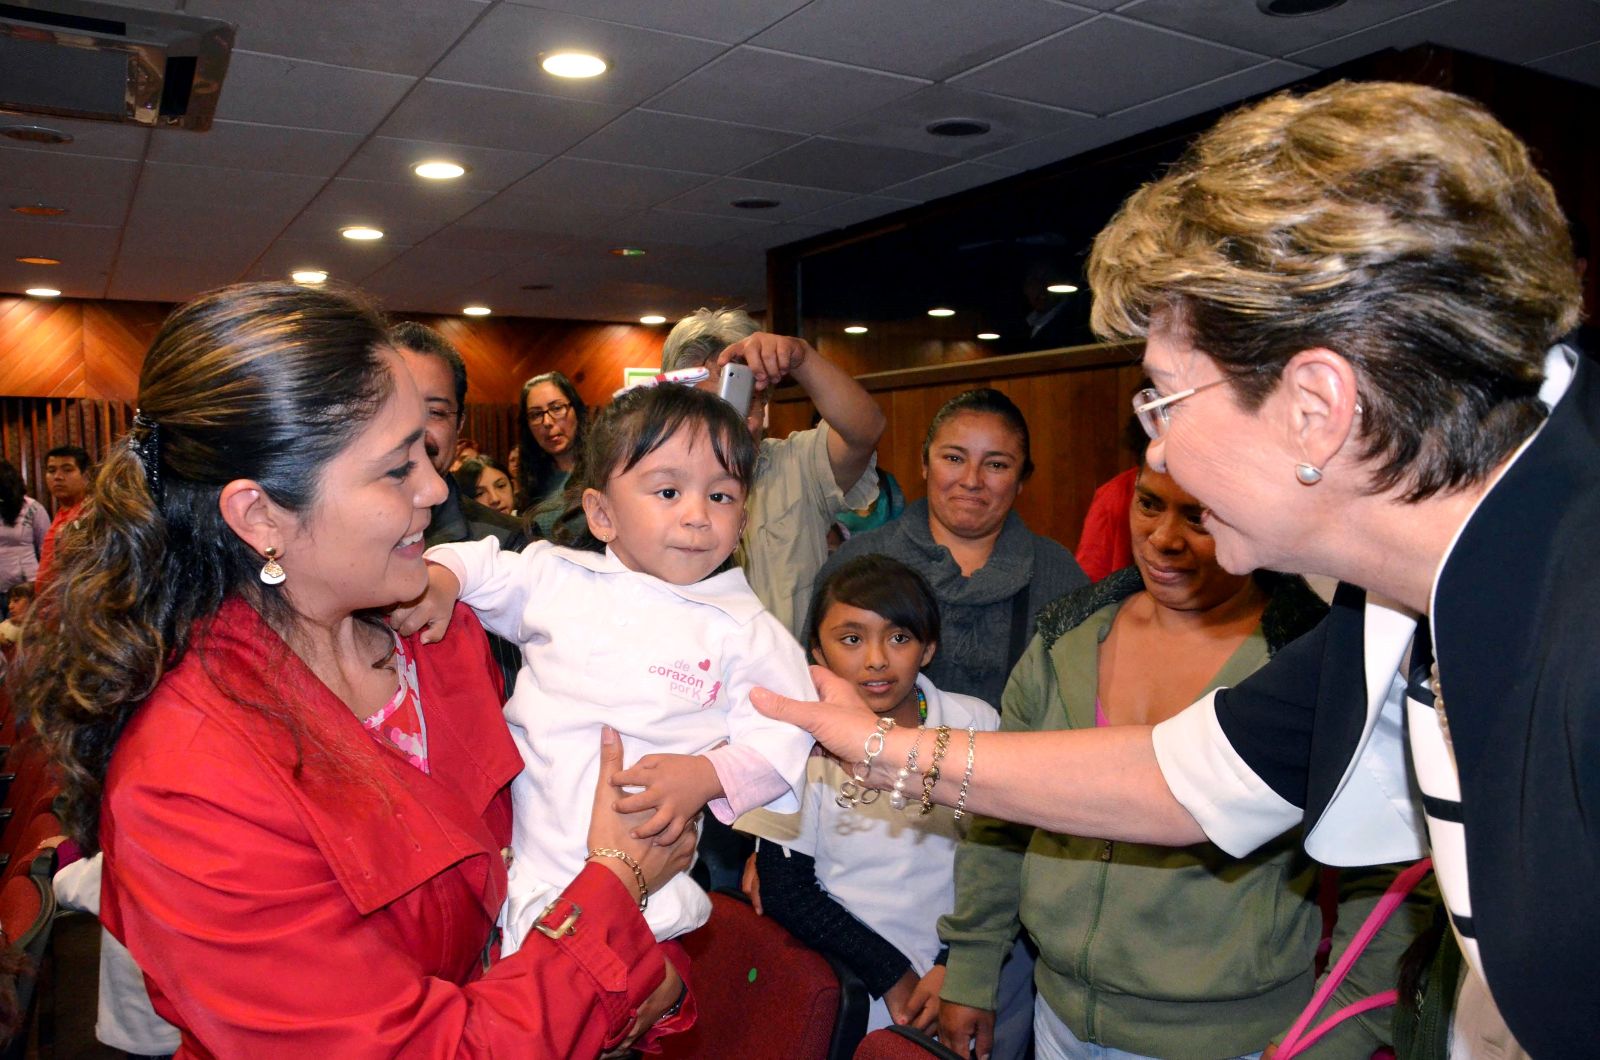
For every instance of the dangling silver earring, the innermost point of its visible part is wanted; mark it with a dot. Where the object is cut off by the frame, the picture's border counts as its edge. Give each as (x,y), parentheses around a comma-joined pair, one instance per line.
(272,571)
(1307,474)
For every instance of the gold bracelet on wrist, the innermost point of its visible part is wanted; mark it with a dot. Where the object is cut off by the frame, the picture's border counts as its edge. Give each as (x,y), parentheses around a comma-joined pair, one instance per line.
(627,859)
(941,744)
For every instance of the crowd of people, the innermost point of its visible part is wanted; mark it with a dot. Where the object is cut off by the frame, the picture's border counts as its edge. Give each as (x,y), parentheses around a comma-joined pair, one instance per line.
(370,742)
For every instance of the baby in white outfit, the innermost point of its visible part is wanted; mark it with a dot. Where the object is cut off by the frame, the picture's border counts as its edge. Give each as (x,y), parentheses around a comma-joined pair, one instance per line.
(649,636)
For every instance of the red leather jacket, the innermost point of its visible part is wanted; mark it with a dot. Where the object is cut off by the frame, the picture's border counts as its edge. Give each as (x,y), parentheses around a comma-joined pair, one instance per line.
(342,909)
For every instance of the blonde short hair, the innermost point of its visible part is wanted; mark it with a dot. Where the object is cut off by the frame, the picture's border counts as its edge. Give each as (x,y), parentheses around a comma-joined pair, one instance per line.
(1401,226)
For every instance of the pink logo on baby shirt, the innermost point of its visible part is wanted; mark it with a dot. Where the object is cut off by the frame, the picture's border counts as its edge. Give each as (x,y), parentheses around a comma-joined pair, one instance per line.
(688,680)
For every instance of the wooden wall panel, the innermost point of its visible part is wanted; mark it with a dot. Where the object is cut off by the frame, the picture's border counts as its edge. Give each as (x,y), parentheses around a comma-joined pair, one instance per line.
(115,337)
(502,354)
(69,348)
(41,348)
(1075,402)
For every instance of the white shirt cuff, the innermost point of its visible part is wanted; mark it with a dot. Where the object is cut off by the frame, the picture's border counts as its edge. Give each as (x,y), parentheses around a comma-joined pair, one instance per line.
(1234,807)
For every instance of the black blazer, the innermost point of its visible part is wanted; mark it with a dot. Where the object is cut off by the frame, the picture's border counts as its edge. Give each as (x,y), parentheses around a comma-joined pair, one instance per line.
(1517,627)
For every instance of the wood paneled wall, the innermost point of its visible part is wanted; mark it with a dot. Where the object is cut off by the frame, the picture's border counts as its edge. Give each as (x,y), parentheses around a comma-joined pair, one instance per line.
(1075,402)
(69,370)
(69,348)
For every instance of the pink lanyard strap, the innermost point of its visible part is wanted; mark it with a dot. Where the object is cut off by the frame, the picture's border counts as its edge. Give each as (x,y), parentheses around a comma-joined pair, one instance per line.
(1298,1040)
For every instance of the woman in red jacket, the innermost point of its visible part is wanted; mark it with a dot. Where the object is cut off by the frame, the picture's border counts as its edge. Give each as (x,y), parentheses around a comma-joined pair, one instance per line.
(303,814)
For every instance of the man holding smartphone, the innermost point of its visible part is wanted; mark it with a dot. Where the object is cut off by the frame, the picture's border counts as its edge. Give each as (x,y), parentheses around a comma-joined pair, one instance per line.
(803,480)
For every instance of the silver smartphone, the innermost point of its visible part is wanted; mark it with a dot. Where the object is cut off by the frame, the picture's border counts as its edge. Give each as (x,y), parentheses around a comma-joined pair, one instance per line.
(737,386)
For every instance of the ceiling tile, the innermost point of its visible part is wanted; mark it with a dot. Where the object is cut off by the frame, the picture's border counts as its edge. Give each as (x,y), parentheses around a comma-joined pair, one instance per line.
(104,139)
(276,91)
(434,269)
(650,227)
(488,169)
(776,91)
(1516,33)
(80,281)
(520,214)
(208,187)
(935,39)
(1150,63)
(342,260)
(1220,92)
(394,36)
(904,122)
(269,148)
(502,51)
(159,279)
(843,166)
(855,211)
(96,191)
(574,180)
(467,236)
(1244,25)
(774,236)
(1579,64)
(729,21)
(207,232)
(959,177)
(444,112)
(674,141)
(717,198)
(76,246)
(407,213)
(1094,132)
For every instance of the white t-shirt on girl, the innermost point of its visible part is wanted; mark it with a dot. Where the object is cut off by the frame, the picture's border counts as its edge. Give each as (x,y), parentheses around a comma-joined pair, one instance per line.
(894,870)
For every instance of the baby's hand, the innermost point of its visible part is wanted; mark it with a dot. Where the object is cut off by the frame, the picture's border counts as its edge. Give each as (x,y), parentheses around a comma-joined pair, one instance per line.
(431,611)
(676,787)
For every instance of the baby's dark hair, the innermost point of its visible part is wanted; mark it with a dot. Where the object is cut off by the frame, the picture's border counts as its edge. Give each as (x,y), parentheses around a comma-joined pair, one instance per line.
(882,585)
(20,591)
(639,422)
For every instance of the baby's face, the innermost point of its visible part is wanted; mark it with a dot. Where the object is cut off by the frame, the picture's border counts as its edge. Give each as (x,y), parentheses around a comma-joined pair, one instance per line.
(676,514)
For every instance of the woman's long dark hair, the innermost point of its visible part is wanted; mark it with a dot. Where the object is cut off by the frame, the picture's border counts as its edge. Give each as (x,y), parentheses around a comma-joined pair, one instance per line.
(258,381)
(537,467)
(12,495)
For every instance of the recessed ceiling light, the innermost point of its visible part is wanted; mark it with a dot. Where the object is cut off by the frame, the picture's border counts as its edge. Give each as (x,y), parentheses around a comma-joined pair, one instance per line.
(573,64)
(1295,8)
(957,127)
(38,209)
(627,252)
(311,277)
(988,336)
(941,312)
(361,233)
(42,292)
(855,329)
(476,310)
(1062,288)
(755,203)
(652,318)
(438,170)
(32,260)
(35,134)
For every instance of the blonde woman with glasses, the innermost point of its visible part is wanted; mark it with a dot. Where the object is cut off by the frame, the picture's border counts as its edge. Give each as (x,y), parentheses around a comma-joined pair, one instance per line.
(1352,303)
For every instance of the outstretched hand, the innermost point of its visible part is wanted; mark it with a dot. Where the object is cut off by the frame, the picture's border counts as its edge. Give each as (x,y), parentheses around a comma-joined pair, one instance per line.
(840,721)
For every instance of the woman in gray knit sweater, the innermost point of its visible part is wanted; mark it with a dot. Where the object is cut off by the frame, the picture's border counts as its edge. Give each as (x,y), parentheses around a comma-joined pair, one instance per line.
(991,574)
